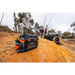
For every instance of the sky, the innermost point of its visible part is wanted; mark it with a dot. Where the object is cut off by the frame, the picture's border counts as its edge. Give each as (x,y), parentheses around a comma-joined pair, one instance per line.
(60,21)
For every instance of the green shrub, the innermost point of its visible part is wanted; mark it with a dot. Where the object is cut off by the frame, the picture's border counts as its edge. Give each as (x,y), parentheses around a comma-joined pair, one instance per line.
(15,31)
(19,32)
(66,34)
(24,31)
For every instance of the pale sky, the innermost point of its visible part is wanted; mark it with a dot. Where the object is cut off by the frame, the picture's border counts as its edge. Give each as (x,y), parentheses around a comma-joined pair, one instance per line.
(60,21)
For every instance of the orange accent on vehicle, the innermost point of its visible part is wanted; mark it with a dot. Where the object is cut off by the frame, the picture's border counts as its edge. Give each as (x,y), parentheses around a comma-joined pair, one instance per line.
(35,39)
(22,41)
(28,39)
(16,47)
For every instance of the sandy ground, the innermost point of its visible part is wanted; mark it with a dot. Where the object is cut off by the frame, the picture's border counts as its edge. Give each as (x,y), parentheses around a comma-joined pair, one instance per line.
(47,51)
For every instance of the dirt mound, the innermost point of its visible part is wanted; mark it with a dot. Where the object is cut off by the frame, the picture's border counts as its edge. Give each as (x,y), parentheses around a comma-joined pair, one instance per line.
(7,40)
(2,34)
(5,34)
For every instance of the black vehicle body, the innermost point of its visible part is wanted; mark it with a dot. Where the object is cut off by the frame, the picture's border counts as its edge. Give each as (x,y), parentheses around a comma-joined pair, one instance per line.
(50,36)
(26,42)
(53,37)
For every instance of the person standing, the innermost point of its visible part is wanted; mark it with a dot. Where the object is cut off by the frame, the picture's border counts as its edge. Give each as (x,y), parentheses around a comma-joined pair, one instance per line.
(41,31)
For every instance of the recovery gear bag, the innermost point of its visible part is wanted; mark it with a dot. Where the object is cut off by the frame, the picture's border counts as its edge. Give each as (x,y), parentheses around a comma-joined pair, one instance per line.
(26,42)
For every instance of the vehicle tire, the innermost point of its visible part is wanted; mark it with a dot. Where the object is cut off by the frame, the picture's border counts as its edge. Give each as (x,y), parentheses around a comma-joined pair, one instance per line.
(56,39)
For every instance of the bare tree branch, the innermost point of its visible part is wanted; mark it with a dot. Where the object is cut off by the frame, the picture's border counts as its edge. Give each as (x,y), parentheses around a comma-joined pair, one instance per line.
(44,22)
(50,21)
(50,26)
(47,25)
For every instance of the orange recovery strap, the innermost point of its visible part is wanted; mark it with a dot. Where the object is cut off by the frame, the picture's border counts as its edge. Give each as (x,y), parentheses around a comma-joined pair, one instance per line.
(16,47)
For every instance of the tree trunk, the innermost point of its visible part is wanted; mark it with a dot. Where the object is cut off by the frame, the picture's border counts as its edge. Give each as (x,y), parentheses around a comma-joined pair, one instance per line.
(2,17)
(15,21)
(45,31)
(72,35)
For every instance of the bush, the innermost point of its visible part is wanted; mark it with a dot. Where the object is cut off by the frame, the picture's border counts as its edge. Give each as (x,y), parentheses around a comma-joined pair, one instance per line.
(24,31)
(3,28)
(10,31)
(15,31)
(66,34)
(37,33)
(19,32)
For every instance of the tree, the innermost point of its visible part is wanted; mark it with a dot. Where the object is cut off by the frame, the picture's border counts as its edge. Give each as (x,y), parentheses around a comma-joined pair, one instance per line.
(20,22)
(15,22)
(59,33)
(37,32)
(47,25)
(40,27)
(26,19)
(19,28)
(66,34)
(21,19)
(31,23)
(36,27)
(73,25)
(52,30)
(2,16)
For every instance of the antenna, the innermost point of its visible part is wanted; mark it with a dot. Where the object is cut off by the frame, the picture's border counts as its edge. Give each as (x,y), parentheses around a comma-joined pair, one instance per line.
(2,18)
